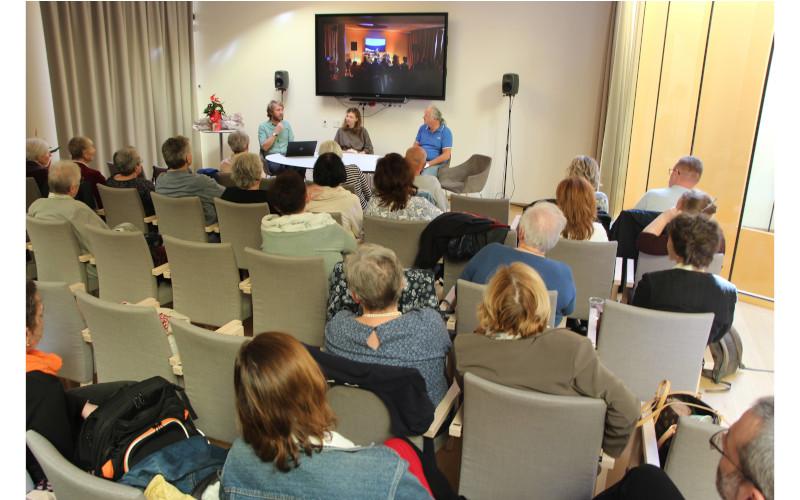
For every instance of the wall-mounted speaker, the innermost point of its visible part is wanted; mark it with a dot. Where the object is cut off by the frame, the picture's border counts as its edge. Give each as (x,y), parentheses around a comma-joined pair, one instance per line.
(354,46)
(281,80)
(510,84)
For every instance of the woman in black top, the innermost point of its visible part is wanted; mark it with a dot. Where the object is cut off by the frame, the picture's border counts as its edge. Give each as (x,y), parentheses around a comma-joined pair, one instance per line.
(128,165)
(246,174)
(689,287)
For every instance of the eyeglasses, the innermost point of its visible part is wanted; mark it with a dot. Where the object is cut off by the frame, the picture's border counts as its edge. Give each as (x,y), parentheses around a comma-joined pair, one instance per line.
(717,442)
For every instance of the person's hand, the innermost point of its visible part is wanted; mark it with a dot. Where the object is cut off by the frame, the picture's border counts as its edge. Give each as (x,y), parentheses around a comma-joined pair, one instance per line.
(671,213)
(87,410)
(278,128)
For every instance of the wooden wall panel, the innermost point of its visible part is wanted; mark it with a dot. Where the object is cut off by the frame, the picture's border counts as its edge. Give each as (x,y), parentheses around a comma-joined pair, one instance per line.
(754,267)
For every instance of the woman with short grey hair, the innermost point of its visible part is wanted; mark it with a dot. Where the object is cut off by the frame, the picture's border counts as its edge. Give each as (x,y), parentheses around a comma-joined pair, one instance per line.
(382,334)
(128,167)
(246,173)
(239,142)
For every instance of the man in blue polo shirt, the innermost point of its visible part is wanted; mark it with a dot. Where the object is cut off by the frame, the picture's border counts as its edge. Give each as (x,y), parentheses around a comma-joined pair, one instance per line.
(436,139)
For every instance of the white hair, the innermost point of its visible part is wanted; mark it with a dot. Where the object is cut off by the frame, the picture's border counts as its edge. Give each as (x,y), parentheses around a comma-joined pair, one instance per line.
(757,456)
(542,225)
(63,175)
(35,148)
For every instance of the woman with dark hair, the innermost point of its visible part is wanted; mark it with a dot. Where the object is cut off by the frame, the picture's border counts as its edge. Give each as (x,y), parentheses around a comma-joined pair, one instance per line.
(394,196)
(653,238)
(288,446)
(689,287)
(575,198)
(328,195)
(352,136)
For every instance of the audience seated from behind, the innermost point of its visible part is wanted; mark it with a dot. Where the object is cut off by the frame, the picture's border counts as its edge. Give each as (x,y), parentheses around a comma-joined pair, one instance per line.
(356,181)
(575,198)
(682,177)
(587,167)
(382,334)
(352,136)
(395,193)
(415,157)
(653,238)
(239,142)
(288,446)
(82,151)
(246,172)
(328,195)
(128,165)
(37,156)
(689,287)
(179,182)
(293,232)
(512,347)
(538,232)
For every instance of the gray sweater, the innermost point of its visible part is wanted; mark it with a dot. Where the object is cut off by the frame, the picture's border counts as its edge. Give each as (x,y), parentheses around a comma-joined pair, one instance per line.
(182,183)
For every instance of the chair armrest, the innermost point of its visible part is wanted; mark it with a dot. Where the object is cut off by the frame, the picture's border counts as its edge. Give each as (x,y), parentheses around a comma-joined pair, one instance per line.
(630,274)
(176,364)
(233,327)
(649,443)
(87,335)
(29,246)
(162,270)
(618,271)
(77,286)
(515,222)
(450,173)
(87,257)
(455,425)
(246,286)
(100,211)
(212,228)
(151,219)
(443,409)
(149,301)
(708,359)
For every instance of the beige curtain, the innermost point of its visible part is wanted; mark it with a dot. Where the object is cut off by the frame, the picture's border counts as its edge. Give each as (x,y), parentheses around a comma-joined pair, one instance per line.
(621,97)
(122,73)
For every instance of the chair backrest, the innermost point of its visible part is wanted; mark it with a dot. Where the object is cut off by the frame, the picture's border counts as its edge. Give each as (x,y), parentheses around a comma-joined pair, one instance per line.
(495,209)
(32,192)
(402,236)
(503,426)
(470,295)
(205,282)
(225,179)
(56,250)
(63,324)
(644,346)
(122,205)
(592,264)
(478,173)
(180,217)
(647,263)
(300,313)
(240,225)
(208,358)
(124,265)
(360,415)
(691,462)
(129,341)
(157,171)
(70,482)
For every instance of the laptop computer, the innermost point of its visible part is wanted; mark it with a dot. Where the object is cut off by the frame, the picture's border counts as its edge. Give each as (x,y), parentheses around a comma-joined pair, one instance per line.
(301,148)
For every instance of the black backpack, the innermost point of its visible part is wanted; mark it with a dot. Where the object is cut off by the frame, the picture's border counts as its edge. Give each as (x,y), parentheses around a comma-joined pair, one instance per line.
(132,423)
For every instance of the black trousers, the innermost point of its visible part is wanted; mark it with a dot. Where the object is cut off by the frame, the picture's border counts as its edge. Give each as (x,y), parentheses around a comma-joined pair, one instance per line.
(645,482)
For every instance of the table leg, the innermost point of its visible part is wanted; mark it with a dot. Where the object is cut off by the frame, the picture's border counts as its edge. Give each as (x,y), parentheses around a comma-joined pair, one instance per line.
(220,148)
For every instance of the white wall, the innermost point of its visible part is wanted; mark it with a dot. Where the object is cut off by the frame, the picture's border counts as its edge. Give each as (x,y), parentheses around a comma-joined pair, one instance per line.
(558,50)
(40,119)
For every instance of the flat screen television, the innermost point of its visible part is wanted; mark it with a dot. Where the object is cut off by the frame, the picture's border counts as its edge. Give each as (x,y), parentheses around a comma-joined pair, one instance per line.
(381,55)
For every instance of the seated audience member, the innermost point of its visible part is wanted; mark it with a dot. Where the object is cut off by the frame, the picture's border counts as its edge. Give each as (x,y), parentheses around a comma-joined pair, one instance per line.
(288,446)
(587,167)
(415,157)
(538,232)
(356,180)
(246,172)
(746,466)
(436,139)
(513,347)
(328,195)
(682,177)
(179,182)
(239,142)
(381,333)
(575,198)
(689,287)
(294,232)
(653,238)
(37,156)
(128,165)
(395,193)
(82,151)
(352,136)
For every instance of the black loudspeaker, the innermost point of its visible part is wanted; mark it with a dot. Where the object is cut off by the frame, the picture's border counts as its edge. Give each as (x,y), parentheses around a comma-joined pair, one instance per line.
(353,46)
(510,84)
(281,80)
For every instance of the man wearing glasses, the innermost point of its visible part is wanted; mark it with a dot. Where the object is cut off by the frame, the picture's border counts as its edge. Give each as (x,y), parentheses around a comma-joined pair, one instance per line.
(682,177)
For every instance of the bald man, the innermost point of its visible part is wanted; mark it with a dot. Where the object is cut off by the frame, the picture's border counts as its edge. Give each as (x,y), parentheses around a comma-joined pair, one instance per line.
(415,157)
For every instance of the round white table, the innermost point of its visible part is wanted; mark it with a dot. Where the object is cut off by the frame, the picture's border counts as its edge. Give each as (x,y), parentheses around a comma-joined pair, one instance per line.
(365,162)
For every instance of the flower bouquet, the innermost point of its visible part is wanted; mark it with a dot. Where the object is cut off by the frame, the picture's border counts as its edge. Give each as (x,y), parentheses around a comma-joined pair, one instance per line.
(214,112)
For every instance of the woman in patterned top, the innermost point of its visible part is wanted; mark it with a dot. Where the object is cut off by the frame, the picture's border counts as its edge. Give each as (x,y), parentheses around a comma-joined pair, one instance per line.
(395,193)
(128,165)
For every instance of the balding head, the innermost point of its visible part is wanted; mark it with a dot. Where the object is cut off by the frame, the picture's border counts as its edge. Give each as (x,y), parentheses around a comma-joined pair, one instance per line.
(415,157)
(541,225)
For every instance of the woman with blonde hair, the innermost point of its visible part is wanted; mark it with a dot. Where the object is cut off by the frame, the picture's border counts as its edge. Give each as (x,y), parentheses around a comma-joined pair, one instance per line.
(513,347)
(587,167)
(352,136)
(246,172)
(356,181)
(575,197)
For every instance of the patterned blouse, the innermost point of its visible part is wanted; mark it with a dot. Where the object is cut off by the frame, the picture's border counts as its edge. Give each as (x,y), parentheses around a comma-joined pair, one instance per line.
(417,208)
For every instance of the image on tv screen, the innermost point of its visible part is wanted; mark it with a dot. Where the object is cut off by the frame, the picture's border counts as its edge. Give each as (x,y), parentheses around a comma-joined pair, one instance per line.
(381,55)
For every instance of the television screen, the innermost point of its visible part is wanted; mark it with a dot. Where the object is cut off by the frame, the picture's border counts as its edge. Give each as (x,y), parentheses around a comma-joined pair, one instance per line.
(381,55)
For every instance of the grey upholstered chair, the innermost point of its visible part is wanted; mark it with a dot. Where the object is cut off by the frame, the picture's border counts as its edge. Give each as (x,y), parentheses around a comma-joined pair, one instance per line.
(240,225)
(58,255)
(205,282)
(691,463)
(592,265)
(123,205)
(643,347)
(300,313)
(32,192)
(470,295)
(488,207)
(208,358)
(129,341)
(647,263)
(360,415)
(125,267)
(502,426)
(469,177)
(63,324)
(181,217)
(402,236)
(70,482)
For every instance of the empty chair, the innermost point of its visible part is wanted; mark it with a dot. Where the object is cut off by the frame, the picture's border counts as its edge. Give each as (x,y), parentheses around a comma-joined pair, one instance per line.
(180,217)
(592,265)
(691,462)
(502,426)
(58,255)
(402,236)
(360,415)
(63,325)
(125,267)
(32,192)
(240,225)
(208,358)
(129,341)
(70,482)
(487,207)
(205,282)
(469,177)
(469,297)
(123,205)
(647,263)
(644,346)
(300,313)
